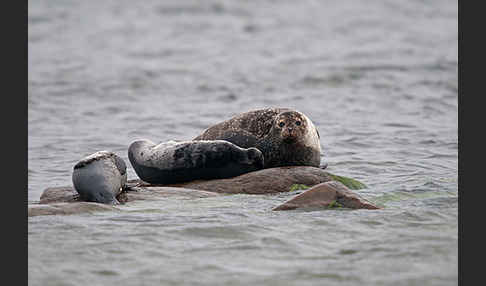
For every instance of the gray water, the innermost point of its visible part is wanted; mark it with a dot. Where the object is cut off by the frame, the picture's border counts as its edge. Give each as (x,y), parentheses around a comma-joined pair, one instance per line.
(378,79)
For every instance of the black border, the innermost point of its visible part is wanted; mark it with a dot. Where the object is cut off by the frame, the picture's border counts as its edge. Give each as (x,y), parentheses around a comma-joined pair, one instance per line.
(471,57)
(15,142)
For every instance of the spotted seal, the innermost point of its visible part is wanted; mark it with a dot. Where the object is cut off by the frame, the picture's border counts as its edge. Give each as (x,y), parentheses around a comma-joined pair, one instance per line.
(286,137)
(100,177)
(176,162)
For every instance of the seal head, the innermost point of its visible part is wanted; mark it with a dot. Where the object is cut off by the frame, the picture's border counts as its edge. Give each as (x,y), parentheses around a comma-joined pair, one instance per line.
(290,126)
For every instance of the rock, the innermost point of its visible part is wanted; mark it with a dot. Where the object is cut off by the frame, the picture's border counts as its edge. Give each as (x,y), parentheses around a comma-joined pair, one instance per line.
(132,193)
(58,195)
(348,182)
(67,208)
(157,193)
(65,200)
(266,181)
(327,195)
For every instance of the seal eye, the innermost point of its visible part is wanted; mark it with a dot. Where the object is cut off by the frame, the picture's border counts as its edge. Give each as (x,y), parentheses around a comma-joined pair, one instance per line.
(297,123)
(281,124)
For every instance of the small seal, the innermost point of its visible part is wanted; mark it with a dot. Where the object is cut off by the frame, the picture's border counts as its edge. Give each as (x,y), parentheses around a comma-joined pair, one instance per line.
(100,177)
(176,162)
(286,137)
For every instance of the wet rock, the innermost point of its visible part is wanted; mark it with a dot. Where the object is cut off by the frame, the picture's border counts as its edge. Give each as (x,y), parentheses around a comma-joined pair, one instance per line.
(157,193)
(266,181)
(67,208)
(133,192)
(65,200)
(59,195)
(331,194)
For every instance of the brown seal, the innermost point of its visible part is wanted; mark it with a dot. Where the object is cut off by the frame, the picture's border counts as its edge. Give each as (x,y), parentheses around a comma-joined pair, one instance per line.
(286,137)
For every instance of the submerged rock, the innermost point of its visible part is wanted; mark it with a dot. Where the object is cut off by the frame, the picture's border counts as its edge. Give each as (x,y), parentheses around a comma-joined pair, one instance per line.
(64,200)
(132,192)
(331,194)
(67,208)
(157,193)
(58,195)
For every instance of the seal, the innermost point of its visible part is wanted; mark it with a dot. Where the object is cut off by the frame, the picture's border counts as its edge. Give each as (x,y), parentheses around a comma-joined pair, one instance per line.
(286,137)
(176,162)
(100,177)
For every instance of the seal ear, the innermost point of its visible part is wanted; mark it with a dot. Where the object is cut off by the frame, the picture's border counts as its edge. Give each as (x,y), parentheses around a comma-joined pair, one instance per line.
(318,136)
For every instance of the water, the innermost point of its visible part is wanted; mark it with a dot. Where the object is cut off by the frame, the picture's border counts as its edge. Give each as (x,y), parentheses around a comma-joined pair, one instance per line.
(378,79)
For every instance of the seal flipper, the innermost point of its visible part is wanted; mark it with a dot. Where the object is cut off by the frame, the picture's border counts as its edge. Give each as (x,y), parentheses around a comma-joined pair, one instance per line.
(120,165)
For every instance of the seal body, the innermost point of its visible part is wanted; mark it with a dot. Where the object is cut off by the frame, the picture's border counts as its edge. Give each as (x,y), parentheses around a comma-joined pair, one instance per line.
(286,137)
(175,162)
(100,177)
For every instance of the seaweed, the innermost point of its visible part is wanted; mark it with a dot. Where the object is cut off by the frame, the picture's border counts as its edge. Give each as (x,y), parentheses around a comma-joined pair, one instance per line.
(296,187)
(334,205)
(348,182)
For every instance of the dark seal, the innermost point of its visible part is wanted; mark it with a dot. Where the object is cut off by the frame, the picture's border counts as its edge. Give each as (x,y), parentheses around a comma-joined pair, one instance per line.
(100,177)
(286,137)
(176,162)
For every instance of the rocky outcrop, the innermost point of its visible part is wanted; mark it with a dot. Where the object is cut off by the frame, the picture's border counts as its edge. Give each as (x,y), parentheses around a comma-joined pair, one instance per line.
(331,194)
(157,193)
(266,181)
(65,200)
(59,195)
(67,208)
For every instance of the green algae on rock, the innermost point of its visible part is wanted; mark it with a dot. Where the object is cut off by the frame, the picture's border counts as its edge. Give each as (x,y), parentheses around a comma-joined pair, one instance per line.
(332,194)
(348,182)
(296,187)
(335,205)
